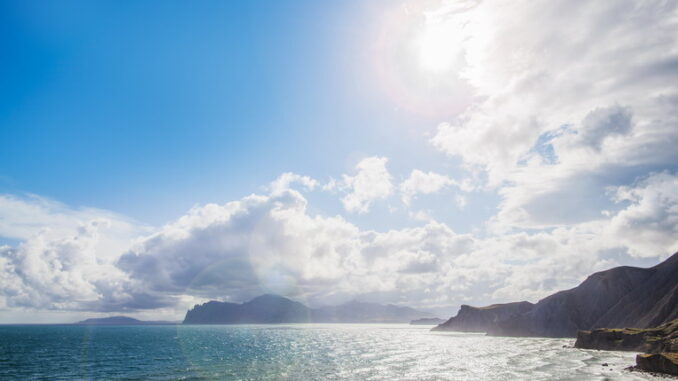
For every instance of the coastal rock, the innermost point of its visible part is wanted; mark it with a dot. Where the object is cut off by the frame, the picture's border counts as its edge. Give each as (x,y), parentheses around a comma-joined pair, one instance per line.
(625,339)
(651,340)
(658,362)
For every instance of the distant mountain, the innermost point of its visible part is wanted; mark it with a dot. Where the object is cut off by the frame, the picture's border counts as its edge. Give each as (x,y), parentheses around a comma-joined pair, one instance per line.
(427,321)
(121,320)
(360,312)
(271,309)
(265,309)
(620,297)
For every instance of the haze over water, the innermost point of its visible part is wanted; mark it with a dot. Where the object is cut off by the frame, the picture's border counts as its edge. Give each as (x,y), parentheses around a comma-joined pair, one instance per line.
(293,352)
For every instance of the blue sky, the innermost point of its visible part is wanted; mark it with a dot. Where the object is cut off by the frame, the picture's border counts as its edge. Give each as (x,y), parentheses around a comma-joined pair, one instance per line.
(424,153)
(115,104)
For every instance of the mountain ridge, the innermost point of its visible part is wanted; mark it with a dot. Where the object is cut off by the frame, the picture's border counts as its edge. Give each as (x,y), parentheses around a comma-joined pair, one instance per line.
(273,309)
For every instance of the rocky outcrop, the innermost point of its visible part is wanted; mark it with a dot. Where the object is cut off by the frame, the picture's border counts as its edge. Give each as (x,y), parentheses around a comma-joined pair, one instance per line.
(483,319)
(658,363)
(660,345)
(651,340)
(620,297)
(273,309)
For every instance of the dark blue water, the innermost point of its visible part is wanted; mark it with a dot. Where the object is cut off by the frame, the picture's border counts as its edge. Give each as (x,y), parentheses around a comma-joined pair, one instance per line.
(295,352)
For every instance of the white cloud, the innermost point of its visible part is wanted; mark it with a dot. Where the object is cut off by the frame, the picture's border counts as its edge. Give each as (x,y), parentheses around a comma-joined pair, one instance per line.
(25,217)
(66,259)
(649,224)
(284,182)
(330,185)
(60,273)
(371,182)
(420,182)
(567,104)
(270,243)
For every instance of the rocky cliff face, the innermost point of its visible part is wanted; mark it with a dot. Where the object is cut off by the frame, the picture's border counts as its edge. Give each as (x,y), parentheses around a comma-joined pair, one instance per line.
(620,297)
(483,319)
(658,363)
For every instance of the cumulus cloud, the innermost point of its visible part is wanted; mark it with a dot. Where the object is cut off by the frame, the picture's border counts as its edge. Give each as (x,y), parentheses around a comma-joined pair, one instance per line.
(61,273)
(261,243)
(244,248)
(66,259)
(371,182)
(270,243)
(23,217)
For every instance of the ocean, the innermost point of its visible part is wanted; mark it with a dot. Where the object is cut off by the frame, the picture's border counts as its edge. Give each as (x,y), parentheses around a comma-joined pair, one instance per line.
(294,352)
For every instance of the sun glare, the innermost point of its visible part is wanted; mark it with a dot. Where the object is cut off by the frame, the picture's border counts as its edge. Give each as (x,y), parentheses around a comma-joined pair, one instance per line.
(437,48)
(418,58)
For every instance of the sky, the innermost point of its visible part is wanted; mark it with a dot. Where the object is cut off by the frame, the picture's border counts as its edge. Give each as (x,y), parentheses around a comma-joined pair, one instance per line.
(159,154)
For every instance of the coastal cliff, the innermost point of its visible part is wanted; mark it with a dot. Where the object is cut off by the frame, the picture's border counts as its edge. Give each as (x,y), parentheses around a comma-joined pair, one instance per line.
(616,298)
(482,319)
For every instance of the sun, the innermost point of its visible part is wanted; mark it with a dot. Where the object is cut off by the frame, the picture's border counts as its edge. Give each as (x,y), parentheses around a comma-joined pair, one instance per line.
(419,60)
(438,46)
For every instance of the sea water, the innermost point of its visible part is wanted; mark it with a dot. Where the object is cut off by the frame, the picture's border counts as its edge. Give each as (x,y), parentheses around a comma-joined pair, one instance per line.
(294,352)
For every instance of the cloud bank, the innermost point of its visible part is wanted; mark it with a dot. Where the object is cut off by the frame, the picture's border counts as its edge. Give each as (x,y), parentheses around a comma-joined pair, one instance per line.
(270,243)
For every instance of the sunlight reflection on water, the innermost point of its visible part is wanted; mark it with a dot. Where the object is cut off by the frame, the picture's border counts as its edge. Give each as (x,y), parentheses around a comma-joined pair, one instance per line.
(295,352)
